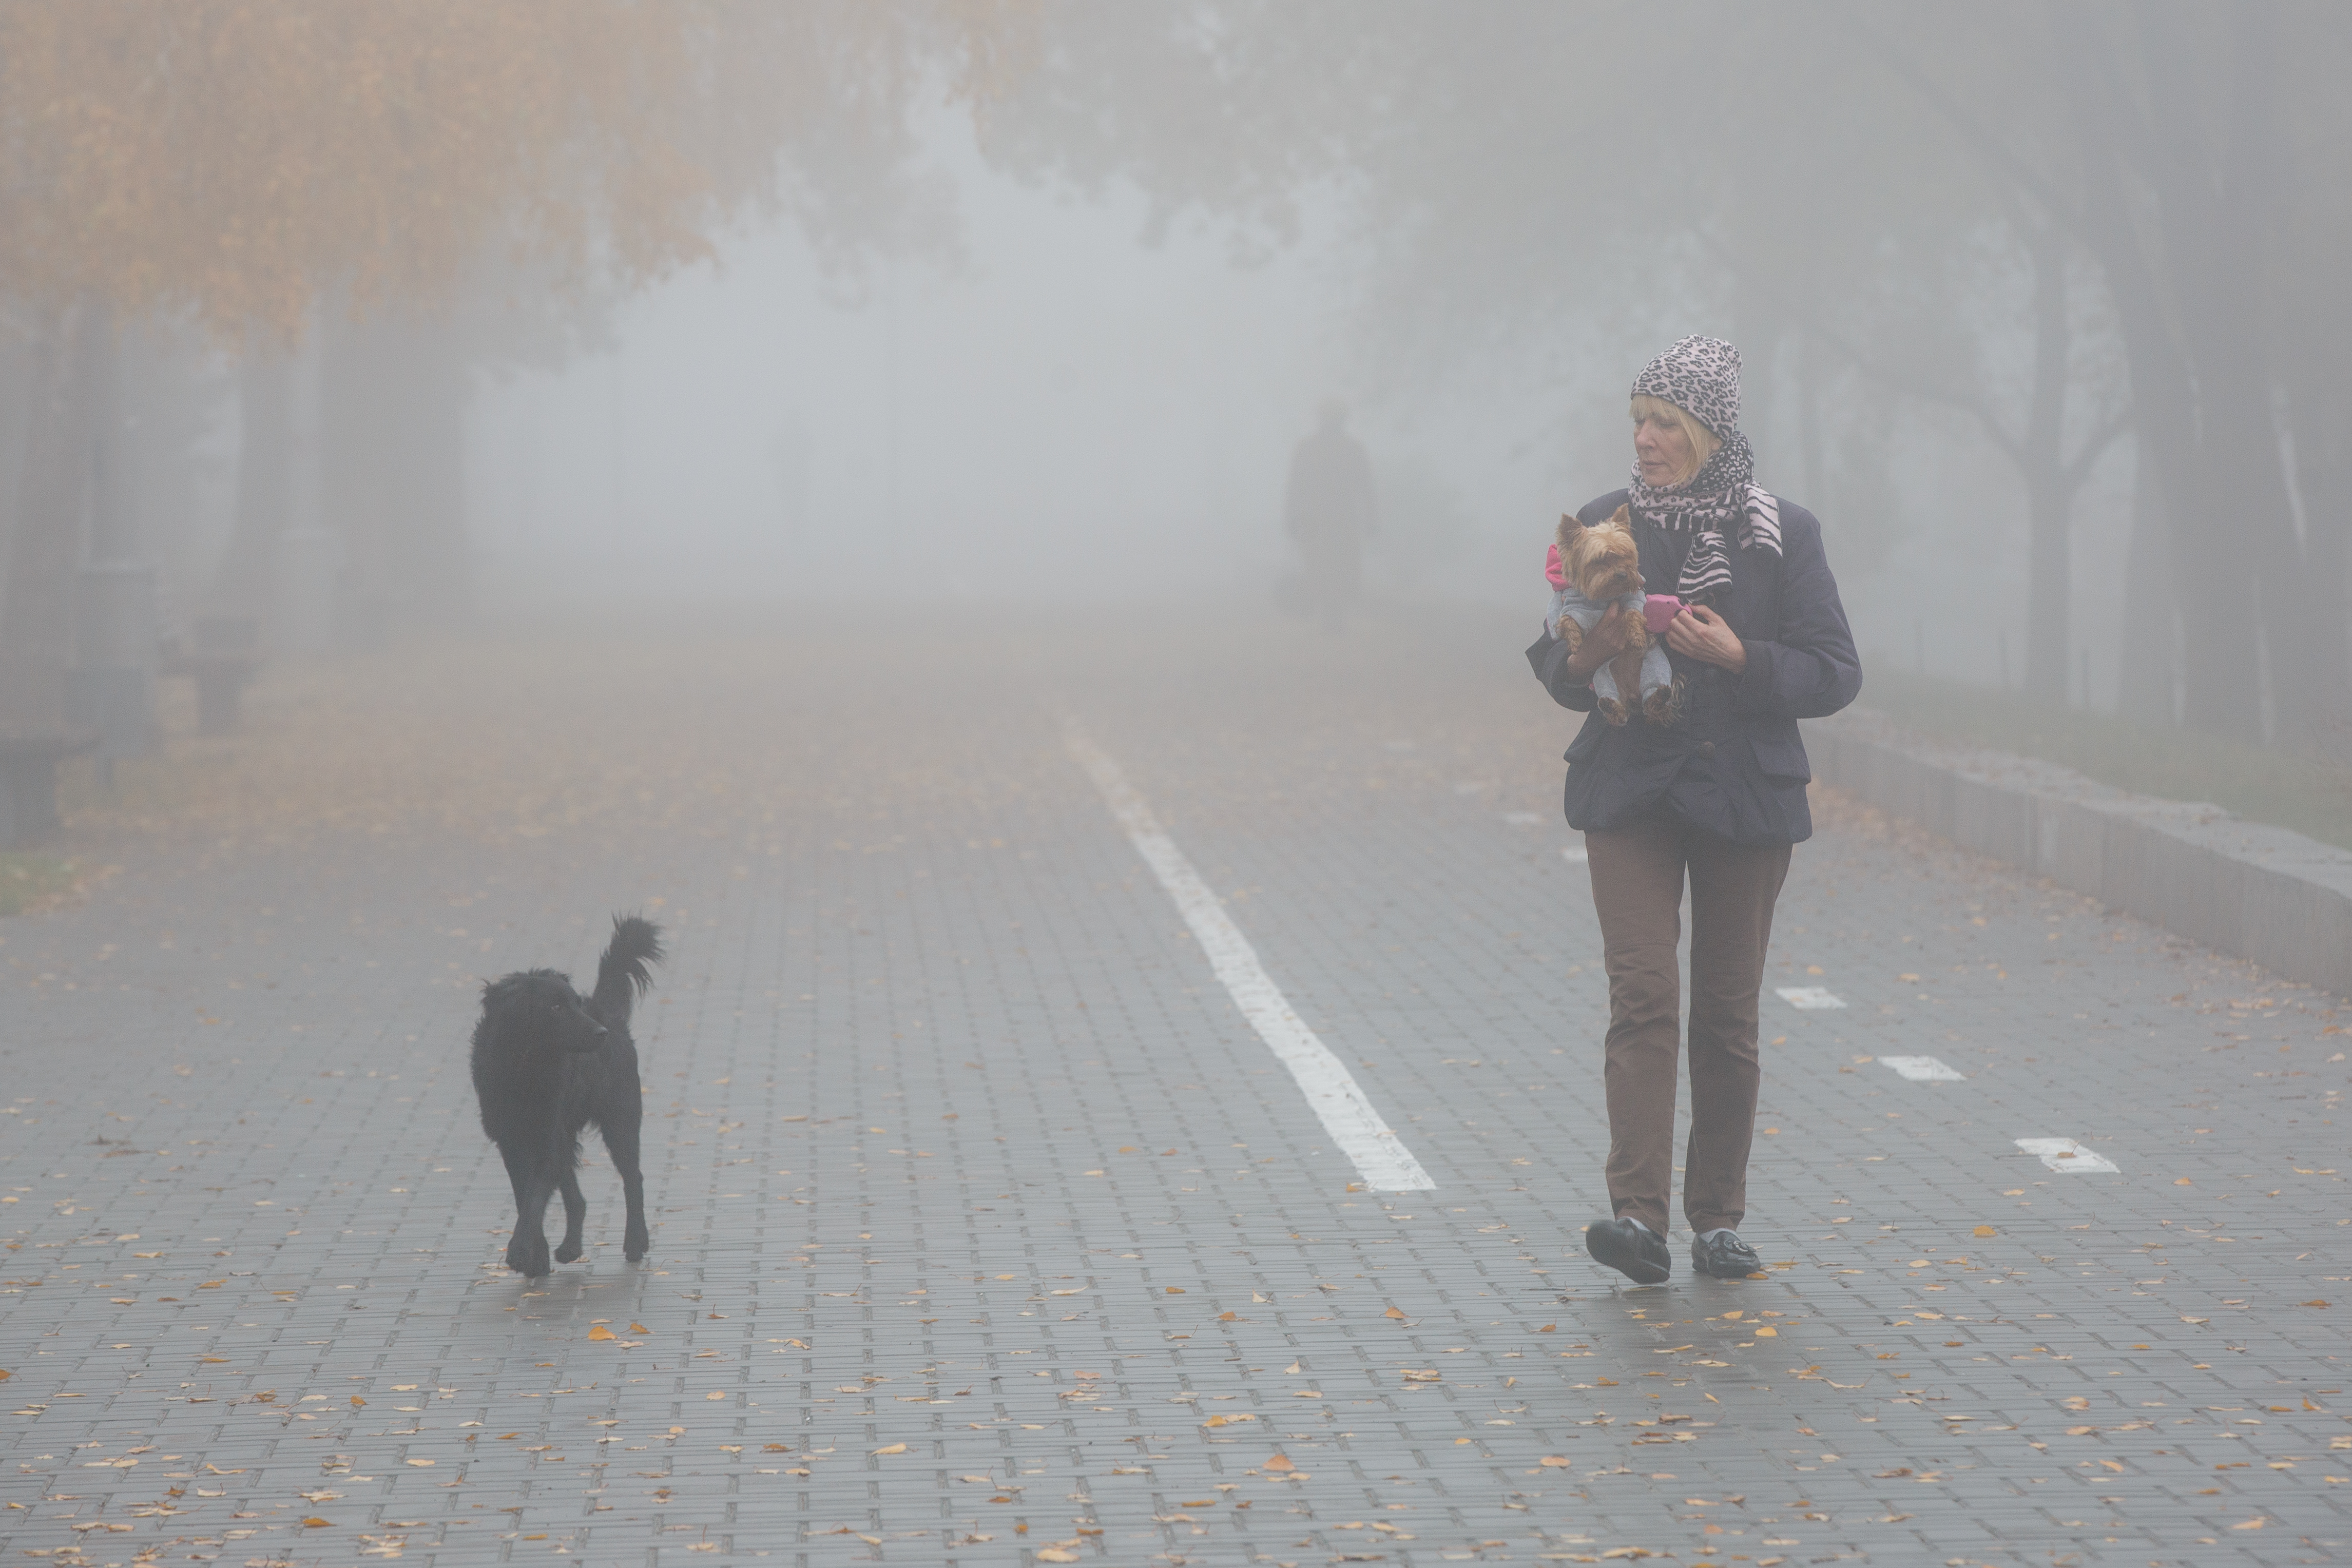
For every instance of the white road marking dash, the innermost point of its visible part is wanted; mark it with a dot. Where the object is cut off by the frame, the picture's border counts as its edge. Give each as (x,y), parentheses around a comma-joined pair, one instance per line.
(2066,1155)
(1924,1070)
(1331,1091)
(1811,998)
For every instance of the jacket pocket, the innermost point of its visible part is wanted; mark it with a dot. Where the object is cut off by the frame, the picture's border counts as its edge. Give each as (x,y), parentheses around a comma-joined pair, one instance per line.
(1781,755)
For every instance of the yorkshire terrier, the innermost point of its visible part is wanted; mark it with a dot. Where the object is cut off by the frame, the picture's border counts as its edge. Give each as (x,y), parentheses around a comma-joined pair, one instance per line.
(1589,569)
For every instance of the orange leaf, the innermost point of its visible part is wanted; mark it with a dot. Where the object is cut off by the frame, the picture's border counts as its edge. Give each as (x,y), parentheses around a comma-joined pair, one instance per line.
(639,1328)
(599,1332)
(1279,1462)
(315,1522)
(1392,1312)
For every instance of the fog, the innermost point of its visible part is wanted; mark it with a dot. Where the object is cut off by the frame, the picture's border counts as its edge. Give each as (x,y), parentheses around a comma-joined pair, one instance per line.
(1036,308)
(1059,411)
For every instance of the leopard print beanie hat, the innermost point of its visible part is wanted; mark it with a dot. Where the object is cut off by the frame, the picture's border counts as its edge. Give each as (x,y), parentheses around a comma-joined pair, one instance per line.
(1701,377)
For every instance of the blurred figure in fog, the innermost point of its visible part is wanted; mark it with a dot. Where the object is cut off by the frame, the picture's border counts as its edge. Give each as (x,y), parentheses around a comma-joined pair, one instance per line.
(1330,512)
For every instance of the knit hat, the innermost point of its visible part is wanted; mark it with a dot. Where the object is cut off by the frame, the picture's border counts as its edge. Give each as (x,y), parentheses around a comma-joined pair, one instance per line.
(1699,376)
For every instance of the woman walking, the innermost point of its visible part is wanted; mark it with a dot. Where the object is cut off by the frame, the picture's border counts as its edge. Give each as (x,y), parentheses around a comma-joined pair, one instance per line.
(1714,798)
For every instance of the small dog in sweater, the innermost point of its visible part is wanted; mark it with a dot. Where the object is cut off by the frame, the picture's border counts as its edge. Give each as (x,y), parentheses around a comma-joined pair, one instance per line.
(1589,569)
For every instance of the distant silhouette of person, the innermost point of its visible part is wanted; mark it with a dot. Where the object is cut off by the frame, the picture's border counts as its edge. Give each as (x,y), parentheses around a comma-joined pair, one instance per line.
(1329,511)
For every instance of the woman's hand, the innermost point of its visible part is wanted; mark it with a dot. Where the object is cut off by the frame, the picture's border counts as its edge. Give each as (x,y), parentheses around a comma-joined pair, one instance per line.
(1698,632)
(1610,636)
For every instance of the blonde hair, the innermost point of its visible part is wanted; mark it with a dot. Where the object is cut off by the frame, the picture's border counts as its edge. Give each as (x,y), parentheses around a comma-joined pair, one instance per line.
(1703,441)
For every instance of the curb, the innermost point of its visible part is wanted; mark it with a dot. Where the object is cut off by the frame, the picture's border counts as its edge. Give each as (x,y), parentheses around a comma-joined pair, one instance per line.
(2258,892)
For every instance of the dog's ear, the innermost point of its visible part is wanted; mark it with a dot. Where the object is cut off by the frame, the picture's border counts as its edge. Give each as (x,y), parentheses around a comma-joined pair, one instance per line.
(1570,531)
(1622,518)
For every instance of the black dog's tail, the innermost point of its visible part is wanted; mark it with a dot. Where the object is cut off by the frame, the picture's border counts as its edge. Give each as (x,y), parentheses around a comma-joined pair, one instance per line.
(623,974)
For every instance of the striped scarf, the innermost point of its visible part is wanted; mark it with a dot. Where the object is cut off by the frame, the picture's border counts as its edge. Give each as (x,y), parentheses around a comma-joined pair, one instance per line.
(1703,506)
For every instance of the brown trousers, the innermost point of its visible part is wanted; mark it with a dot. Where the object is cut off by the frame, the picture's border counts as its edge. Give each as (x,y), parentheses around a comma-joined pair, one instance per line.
(1638,872)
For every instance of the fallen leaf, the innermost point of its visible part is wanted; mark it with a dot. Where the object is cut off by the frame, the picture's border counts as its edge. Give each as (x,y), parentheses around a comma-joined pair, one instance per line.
(1768,1332)
(1055,1554)
(892,1449)
(1985,1230)
(357,1402)
(640,1328)
(2251,1524)
(1082,1289)
(1292,1370)
(1422,1375)
(1557,1462)
(2312,1303)
(315,1522)
(716,1394)
(1172,1289)
(421,1464)
(1392,1312)
(599,1332)
(1229,1317)
(1279,1462)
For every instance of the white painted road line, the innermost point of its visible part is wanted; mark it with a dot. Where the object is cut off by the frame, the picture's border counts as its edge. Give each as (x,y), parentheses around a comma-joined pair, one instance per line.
(2066,1155)
(1811,998)
(1386,1165)
(1924,1070)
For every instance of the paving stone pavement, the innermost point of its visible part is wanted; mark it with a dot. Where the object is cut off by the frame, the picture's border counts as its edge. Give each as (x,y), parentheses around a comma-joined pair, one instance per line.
(987,1232)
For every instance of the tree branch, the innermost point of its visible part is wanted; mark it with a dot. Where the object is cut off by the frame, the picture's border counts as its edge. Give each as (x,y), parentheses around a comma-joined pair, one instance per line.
(2079,469)
(1968,403)
(1979,137)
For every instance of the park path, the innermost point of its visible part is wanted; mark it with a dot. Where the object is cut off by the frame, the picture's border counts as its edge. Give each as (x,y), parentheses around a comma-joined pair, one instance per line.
(989,1226)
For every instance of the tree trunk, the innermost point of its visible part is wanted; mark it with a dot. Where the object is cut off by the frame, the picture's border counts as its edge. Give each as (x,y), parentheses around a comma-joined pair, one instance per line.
(2323,467)
(2049,493)
(394,393)
(37,621)
(245,580)
(2215,212)
(2220,667)
(2150,629)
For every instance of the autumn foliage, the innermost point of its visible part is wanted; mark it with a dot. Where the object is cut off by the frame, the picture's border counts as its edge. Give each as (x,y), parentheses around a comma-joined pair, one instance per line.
(227,159)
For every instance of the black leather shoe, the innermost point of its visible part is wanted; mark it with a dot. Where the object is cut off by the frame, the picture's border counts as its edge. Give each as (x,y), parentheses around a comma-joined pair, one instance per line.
(1640,1255)
(1725,1256)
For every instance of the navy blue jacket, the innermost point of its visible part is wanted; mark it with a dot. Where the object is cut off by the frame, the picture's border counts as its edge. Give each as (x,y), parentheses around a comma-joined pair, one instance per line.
(1734,765)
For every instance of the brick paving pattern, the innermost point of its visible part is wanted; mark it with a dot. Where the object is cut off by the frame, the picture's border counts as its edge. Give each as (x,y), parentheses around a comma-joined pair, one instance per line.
(987,1232)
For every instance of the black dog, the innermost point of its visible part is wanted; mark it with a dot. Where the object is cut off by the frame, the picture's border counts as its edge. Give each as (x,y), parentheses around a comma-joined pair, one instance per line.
(547,1064)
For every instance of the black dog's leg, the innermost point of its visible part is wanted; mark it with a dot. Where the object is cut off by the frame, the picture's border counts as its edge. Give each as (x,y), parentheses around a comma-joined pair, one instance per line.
(575,1214)
(621,1142)
(527,1251)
